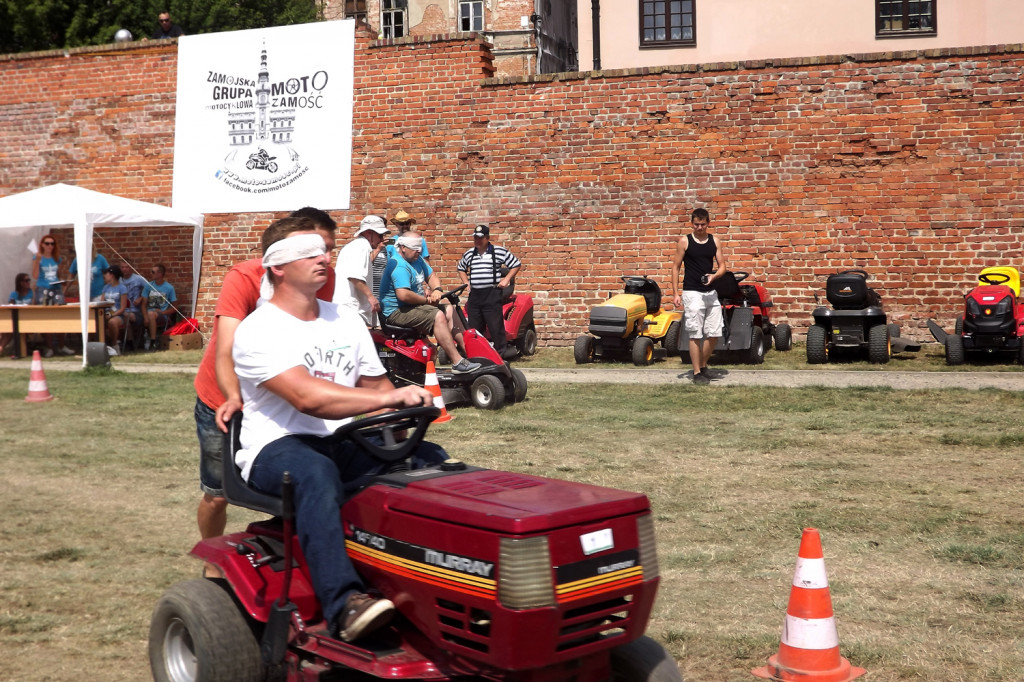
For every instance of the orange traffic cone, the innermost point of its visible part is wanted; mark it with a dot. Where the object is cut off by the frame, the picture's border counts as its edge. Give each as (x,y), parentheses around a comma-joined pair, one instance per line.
(37,390)
(431,385)
(809,651)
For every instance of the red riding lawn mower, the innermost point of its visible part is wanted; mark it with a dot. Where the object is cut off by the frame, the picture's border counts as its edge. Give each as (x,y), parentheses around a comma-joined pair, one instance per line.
(992,322)
(404,354)
(494,575)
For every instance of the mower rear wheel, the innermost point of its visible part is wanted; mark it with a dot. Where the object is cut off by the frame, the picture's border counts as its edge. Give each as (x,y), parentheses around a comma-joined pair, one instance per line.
(528,344)
(442,357)
(643,351)
(643,660)
(958,326)
(755,354)
(518,385)
(783,334)
(671,341)
(879,346)
(583,350)
(487,392)
(817,346)
(198,633)
(955,349)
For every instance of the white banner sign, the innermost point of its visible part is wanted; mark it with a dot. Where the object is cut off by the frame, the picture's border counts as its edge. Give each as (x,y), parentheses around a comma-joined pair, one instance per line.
(264,119)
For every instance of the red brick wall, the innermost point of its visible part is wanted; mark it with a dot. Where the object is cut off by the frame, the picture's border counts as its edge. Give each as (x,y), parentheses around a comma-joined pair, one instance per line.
(905,165)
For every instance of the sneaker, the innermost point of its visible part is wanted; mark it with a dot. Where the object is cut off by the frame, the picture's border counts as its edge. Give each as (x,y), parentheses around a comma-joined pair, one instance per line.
(464,366)
(47,352)
(362,615)
(685,375)
(713,373)
(146,345)
(700,379)
(510,353)
(64,350)
(111,351)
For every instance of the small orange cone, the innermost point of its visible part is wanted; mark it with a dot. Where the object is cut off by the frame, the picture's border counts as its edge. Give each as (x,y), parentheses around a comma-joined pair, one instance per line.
(37,390)
(809,651)
(431,385)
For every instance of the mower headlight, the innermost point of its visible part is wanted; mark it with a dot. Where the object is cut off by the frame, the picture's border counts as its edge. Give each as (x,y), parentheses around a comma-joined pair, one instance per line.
(1004,306)
(973,308)
(648,552)
(524,573)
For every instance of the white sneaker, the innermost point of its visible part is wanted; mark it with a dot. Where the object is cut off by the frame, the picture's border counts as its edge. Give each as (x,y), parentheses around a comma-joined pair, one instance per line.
(64,350)
(47,352)
(111,351)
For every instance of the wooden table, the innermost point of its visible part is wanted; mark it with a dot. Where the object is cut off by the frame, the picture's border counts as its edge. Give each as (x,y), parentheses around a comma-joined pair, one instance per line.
(22,320)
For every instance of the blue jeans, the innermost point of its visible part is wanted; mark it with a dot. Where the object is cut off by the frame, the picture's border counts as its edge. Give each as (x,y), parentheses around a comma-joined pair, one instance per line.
(211,447)
(325,473)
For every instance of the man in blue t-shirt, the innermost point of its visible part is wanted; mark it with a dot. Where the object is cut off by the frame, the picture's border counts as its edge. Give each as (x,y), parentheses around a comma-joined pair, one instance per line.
(404,302)
(157,297)
(99,264)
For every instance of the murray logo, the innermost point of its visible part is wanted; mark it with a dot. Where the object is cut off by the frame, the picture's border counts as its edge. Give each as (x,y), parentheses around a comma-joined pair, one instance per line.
(261,118)
(458,563)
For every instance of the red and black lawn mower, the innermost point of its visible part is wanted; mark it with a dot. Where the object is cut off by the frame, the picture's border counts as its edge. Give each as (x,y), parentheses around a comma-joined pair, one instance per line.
(992,322)
(404,354)
(494,575)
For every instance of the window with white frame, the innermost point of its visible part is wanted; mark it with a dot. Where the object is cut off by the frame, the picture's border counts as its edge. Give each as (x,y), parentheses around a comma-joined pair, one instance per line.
(392,18)
(667,23)
(471,15)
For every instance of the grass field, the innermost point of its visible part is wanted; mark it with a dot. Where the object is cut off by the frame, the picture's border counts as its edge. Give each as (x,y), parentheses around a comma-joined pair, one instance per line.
(917,495)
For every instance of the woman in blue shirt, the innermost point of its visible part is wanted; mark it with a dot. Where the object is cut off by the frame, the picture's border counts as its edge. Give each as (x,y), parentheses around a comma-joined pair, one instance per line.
(45,266)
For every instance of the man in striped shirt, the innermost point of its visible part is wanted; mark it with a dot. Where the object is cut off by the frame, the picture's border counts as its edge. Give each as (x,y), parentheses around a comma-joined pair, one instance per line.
(488,270)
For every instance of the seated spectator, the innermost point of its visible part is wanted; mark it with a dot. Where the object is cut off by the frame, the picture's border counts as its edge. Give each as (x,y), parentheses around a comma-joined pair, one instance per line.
(405,302)
(116,294)
(157,298)
(136,284)
(99,264)
(22,295)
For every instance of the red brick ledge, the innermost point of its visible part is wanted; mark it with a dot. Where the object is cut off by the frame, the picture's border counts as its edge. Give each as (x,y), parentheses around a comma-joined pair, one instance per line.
(161,44)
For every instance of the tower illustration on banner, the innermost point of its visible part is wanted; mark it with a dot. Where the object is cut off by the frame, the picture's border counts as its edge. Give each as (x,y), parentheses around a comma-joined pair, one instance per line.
(261,122)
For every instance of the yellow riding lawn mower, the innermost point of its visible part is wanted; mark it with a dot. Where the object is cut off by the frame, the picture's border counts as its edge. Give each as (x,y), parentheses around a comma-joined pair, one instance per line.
(631,324)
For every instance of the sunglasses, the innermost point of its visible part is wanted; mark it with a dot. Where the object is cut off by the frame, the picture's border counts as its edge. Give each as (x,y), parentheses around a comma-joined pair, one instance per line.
(49,243)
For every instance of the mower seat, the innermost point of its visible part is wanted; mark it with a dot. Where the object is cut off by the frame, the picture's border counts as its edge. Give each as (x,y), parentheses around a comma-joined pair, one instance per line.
(728,288)
(850,291)
(236,490)
(647,288)
(1014,277)
(396,332)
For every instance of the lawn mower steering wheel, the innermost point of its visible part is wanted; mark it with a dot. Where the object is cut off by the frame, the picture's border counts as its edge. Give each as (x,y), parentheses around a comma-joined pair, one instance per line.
(740,275)
(635,279)
(452,296)
(994,278)
(385,426)
(862,273)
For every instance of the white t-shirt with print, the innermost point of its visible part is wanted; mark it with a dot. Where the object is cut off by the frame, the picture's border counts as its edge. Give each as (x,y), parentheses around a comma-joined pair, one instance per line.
(336,347)
(354,262)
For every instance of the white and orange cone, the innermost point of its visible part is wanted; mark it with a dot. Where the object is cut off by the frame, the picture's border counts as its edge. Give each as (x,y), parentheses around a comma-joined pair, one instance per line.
(435,389)
(809,651)
(37,390)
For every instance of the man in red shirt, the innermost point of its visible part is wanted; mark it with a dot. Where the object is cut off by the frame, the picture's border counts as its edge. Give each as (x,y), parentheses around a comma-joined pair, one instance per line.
(218,395)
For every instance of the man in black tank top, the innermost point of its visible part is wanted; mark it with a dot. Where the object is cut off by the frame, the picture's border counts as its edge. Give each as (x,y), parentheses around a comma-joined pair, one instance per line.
(697,254)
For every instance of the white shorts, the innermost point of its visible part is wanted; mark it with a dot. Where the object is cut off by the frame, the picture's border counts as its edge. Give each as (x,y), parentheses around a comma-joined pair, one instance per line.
(703,314)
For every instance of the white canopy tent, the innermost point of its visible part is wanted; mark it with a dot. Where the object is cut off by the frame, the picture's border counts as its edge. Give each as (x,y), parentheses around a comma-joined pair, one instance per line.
(29,215)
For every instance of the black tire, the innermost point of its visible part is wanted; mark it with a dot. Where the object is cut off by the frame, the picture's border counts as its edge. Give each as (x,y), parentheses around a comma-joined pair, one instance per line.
(272,167)
(894,330)
(442,357)
(879,346)
(583,350)
(643,660)
(783,334)
(958,326)
(487,393)
(198,633)
(518,385)
(643,351)
(755,354)
(671,341)
(1020,352)
(955,350)
(528,344)
(817,345)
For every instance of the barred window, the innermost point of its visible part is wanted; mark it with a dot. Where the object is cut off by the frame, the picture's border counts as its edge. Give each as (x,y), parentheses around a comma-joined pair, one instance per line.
(904,18)
(665,23)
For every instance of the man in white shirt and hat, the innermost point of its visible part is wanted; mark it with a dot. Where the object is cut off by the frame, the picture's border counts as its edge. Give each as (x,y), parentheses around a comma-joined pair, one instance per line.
(354,270)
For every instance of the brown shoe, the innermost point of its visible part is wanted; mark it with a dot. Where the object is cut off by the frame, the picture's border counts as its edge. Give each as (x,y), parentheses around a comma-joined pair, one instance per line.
(362,615)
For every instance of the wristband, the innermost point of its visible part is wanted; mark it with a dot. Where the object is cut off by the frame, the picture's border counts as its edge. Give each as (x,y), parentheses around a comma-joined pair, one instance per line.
(438,289)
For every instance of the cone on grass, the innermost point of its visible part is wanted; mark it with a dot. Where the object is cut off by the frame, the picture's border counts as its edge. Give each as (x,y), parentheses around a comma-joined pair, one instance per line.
(809,651)
(435,389)
(37,390)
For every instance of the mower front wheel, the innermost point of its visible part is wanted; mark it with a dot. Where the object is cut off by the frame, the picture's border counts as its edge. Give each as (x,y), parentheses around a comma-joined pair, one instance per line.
(643,660)
(817,345)
(783,334)
(198,633)
(671,342)
(955,349)
(518,385)
(583,350)
(643,351)
(487,393)
(879,346)
(755,354)
(528,344)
